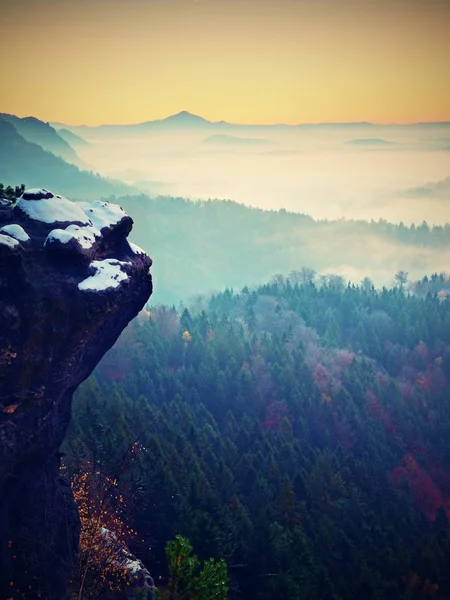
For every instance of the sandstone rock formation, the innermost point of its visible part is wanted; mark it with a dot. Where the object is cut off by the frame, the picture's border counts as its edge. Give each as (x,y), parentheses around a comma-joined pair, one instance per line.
(69,284)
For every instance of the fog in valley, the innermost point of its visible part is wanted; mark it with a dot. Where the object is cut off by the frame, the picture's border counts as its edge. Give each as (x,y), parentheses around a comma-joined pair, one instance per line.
(397,173)
(343,176)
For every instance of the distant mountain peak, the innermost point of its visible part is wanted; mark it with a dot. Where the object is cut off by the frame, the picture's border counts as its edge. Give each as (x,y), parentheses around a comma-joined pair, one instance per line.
(186,117)
(184,113)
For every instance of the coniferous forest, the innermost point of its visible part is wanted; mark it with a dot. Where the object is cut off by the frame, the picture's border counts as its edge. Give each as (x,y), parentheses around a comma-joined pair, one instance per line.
(299,431)
(225,300)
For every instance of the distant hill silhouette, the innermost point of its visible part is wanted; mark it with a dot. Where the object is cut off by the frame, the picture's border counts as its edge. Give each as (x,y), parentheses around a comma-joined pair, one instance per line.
(36,131)
(370,142)
(181,121)
(28,163)
(187,121)
(438,189)
(72,138)
(202,246)
(183,118)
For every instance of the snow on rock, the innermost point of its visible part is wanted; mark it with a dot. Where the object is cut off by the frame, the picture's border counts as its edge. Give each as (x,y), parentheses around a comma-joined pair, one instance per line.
(103,214)
(85,236)
(9,241)
(15,231)
(136,249)
(140,581)
(47,319)
(44,206)
(108,274)
(133,565)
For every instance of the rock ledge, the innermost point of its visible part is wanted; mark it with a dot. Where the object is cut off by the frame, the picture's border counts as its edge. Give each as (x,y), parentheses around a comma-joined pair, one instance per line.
(69,284)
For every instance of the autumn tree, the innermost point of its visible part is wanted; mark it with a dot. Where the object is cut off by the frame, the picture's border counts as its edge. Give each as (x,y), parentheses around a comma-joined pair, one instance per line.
(103,557)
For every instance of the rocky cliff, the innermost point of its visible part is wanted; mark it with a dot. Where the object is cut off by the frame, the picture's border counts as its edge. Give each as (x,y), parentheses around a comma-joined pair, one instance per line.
(69,284)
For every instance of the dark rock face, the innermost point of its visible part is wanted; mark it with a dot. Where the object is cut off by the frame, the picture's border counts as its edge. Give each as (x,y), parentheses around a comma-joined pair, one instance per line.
(69,284)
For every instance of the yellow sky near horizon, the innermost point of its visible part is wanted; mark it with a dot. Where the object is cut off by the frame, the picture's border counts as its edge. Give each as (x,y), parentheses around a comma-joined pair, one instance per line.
(244,61)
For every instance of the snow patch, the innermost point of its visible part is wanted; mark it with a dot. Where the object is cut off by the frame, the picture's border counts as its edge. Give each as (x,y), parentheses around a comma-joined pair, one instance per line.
(103,214)
(15,231)
(136,249)
(53,209)
(9,241)
(133,565)
(108,274)
(85,236)
(124,558)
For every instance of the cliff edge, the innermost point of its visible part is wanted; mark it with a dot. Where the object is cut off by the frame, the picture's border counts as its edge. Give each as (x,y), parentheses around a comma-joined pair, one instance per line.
(69,284)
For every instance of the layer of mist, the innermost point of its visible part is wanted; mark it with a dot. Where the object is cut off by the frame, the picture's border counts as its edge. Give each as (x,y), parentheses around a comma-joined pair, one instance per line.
(355,171)
(205,246)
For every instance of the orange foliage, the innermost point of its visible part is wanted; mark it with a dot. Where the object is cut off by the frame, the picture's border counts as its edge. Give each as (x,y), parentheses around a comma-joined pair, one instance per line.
(103,563)
(186,337)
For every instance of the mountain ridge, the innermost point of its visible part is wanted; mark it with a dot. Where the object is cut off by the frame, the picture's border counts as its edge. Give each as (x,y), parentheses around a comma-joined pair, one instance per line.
(35,131)
(185,118)
(30,164)
(72,138)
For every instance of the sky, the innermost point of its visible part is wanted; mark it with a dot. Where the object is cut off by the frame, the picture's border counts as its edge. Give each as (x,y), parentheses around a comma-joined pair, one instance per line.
(244,61)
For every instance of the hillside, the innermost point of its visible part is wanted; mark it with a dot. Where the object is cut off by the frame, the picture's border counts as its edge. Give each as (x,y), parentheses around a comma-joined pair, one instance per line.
(200,247)
(36,131)
(298,431)
(25,162)
(72,139)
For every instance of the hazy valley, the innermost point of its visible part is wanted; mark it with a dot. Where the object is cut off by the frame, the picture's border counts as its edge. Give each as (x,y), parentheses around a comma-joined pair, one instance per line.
(225,300)
(353,171)
(348,199)
(291,427)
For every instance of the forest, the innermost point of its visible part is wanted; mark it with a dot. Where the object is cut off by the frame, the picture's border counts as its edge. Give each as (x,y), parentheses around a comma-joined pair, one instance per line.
(205,246)
(297,430)
(225,333)
(202,247)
